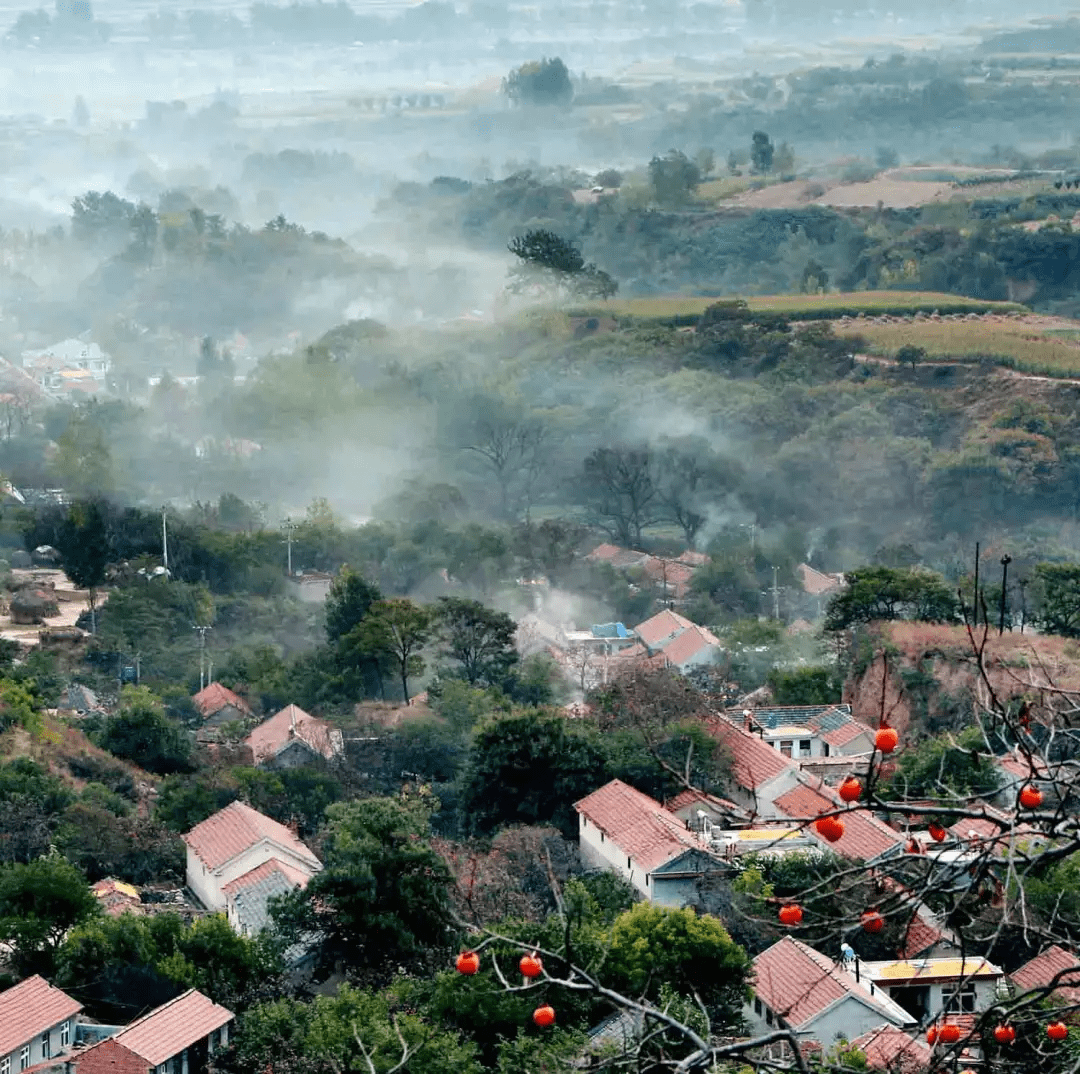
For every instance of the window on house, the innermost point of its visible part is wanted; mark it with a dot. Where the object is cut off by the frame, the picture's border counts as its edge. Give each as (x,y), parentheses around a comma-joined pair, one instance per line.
(805,745)
(163,1068)
(757,1006)
(628,863)
(46,1046)
(65,1034)
(768,1016)
(601,837)
(824,749)
(5,1065)
(24,1057)
(961,999)
(786,745)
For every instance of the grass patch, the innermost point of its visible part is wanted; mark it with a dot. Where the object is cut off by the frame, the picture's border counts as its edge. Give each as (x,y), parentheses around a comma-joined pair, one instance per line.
(721,189)
(1016,346)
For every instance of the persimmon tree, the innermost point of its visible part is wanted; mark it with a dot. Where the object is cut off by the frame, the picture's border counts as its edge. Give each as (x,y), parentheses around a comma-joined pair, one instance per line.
(1005,893)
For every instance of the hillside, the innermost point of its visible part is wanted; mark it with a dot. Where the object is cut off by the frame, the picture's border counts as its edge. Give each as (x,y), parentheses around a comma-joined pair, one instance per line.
(933,675)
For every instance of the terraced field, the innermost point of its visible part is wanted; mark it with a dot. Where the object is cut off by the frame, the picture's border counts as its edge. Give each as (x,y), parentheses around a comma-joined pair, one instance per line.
(1040,345)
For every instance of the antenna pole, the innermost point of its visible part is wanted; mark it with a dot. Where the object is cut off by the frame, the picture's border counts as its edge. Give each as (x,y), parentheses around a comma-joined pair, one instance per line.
(975,598)
(1005,561)
(165,541)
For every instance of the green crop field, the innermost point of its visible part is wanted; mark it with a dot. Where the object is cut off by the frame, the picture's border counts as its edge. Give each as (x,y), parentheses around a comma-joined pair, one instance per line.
(1013,344)
(810,307)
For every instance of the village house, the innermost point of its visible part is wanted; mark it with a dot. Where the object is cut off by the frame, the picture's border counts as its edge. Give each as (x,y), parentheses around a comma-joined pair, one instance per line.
(1055,967)
(929,987)
(893,1050)
(291,738)
(671,577)
(631,834)
(179,1037)
(37,1023)
(761,774)
(865,838)
(682,643)
(218,705)
(225,851)
(808,731)
(797,987)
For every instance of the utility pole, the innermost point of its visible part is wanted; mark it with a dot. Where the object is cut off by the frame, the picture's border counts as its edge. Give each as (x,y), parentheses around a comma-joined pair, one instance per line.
(165,541)
(775,596)
(1023,584)
(975,599)
(138,667)
(1005,561)
(288,526)
(201,630)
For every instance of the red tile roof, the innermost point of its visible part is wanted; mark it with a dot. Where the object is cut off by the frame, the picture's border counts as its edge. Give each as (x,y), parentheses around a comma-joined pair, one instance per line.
(262,872)
(889,1048)
(618,557)
(638,824)
(293,722)
(662,626)
(670,574)
(1040,971)
(29,1008)
(818,584)
(865,837)
(108,1057)
(172,1027)
(689,644)
(798,983)
(215,697)
(692,797)
(232,830)
(920,936)
(753,763)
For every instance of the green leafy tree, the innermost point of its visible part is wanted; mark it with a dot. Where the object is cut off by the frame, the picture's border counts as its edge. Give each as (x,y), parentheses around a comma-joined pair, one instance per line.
(815,278)
(84,544)
(555,263)
(652,946)
(351,1030)
(947,766)
(383,894)
(540,82)
(140,731)
(805,686)
(1058,598)
(478,639)
(887,593)
(398,629)
(673,178)
(529,769)
(121,965)
(784,161)
(40,901)
(911,355)
(761,153)
(349,600)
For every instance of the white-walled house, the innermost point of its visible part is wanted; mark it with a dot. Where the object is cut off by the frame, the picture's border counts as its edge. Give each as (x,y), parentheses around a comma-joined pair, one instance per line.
(795,986)
(233,842)
(179,1037)
(761,774)
(631,834)
(805,732)
(37,1022)
(928,987)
